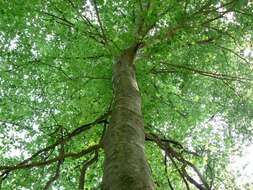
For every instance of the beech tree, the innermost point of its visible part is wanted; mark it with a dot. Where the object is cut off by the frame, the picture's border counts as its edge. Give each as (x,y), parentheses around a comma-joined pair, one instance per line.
(115,95)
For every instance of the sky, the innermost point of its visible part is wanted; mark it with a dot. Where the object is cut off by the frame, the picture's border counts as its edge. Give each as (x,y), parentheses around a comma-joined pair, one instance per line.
(243,165)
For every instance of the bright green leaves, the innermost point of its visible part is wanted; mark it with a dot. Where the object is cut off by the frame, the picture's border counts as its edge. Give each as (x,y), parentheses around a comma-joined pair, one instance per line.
(56,67)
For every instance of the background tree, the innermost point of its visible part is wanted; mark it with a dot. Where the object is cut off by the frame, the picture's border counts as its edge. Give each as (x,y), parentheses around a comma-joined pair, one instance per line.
(58,99)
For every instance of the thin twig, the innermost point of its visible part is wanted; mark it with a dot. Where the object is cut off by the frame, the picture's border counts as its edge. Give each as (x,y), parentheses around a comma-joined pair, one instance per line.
(73,155)
(99,21)
(85,166)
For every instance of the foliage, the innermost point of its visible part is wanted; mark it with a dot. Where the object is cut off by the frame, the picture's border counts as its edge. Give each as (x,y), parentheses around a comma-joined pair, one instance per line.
(194,70)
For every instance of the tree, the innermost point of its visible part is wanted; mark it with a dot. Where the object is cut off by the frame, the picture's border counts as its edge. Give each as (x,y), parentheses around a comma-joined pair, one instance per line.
(70,99)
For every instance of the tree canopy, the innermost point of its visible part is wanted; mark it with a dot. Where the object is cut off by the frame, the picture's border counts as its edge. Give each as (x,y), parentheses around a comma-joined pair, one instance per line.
(194,70)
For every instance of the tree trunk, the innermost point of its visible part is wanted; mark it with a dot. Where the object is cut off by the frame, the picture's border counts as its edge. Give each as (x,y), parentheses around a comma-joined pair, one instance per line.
(125,166)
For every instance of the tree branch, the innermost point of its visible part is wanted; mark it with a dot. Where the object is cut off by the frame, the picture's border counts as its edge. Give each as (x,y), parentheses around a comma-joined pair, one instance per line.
(58,167)
(64,21)
(166,172)
(100,22)
(171,153)
(233,52)
(73,155)
(85,166)
(55,177)
(77,131)
(201,72)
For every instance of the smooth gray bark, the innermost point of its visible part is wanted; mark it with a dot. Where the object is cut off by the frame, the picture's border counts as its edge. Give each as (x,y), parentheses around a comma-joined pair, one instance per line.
(125,166)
